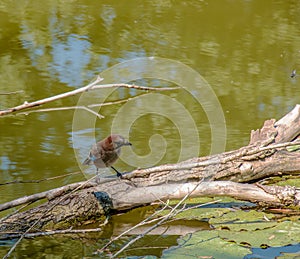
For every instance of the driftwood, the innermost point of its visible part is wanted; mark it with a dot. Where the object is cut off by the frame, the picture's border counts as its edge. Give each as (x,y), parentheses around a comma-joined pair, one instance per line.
(273,150)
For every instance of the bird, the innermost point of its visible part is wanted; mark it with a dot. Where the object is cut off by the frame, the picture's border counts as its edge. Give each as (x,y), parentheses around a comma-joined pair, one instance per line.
(106,152)
(293,74)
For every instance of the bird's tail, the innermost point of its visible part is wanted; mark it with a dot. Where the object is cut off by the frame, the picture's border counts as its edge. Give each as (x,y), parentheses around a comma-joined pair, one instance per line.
(87,161)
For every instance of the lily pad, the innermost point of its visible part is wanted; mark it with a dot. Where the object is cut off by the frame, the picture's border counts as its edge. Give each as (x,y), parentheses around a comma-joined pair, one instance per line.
(283,233)
(208,211)
(205,244)
(243,221)
(202,213)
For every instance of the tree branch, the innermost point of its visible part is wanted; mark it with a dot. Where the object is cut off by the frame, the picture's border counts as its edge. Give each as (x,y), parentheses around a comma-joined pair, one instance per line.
(92,86)
(80,107)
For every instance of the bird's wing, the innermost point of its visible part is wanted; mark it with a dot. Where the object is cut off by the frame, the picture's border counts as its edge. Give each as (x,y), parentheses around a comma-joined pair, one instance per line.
(95,153)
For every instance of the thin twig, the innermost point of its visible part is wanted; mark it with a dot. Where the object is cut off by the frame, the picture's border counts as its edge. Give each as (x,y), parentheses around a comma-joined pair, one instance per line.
(147,248)
(26,104)
(164,219)
(147,88)
(41,180)
(63,109)
(91,111)
(14,92)
(144,222)
(115,102)
(80,107)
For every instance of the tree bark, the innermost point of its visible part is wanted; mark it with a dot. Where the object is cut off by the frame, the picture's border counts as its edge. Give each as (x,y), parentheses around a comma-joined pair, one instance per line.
(231,174)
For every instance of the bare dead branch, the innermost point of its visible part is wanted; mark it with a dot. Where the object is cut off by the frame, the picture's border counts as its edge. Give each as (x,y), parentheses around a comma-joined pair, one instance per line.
(91,111)
(27,105)
(148,220)
(151,219)
(145,88)
(92,86)
(117,101)
(80,107)
(173,212)
(63,109)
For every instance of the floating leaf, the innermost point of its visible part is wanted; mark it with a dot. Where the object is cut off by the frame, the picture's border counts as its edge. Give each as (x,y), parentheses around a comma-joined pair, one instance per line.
(284,233)
(214,210)
(243,221)
(205,244)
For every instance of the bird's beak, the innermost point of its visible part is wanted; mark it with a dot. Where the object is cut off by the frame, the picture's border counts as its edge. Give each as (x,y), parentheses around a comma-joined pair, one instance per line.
(125,143)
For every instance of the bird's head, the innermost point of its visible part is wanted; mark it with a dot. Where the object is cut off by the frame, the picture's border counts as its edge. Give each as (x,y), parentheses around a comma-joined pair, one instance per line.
(116,141)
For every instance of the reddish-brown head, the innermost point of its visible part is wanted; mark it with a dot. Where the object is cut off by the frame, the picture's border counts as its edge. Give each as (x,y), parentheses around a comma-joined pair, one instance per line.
(115,141)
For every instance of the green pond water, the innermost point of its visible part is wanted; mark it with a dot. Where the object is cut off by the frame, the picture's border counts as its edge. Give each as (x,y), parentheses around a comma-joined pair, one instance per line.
(231,59)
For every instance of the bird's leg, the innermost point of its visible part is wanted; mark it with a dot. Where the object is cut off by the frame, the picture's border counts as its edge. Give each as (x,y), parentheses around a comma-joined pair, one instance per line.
(118,173)
(97,178)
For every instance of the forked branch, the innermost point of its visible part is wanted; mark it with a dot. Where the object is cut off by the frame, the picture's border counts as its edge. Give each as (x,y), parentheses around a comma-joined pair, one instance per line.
(92,86)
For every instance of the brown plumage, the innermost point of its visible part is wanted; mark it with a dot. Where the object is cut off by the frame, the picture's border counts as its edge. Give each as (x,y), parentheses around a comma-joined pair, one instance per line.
(106,152)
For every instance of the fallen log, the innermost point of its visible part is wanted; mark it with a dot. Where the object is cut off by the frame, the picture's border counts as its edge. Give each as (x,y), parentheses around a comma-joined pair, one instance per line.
(273,150)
